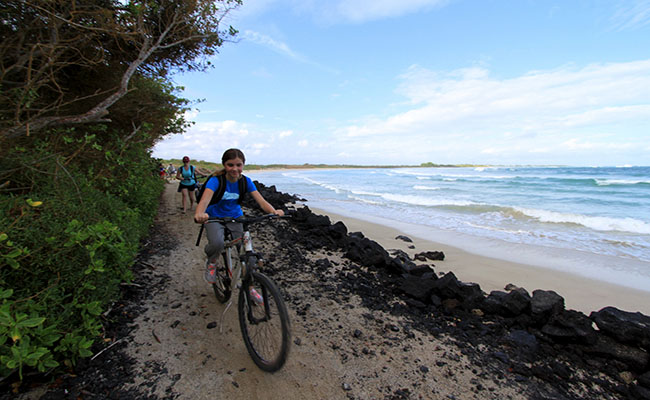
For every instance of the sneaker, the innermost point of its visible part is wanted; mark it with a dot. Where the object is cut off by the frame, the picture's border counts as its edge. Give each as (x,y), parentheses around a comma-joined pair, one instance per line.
(210,275)
(257,298)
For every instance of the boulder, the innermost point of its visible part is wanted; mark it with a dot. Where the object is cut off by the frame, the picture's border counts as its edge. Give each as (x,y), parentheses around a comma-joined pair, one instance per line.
(624,326)
(367,252)
(338,230)
(507,304)
(544,305)
(430,255)
(449,287)
(570,326)
(401,263)
(417,287)
(635,358)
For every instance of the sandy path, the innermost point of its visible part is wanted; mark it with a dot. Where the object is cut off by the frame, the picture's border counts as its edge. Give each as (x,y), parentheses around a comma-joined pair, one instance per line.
(180,357)
(205,363)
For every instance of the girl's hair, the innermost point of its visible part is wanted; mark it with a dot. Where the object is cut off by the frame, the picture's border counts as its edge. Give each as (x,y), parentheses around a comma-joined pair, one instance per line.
(229,154)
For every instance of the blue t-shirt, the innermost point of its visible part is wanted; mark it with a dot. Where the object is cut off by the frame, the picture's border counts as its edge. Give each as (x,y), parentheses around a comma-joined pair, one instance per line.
(227,206)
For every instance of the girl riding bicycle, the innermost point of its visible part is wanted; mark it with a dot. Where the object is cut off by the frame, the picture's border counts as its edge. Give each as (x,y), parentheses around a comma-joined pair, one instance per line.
(228,205)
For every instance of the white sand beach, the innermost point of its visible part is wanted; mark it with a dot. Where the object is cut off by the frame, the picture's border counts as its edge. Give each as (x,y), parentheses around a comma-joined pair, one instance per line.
(580,293)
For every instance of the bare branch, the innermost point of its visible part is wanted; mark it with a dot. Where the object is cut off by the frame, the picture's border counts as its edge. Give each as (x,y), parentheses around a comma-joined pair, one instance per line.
(57,39)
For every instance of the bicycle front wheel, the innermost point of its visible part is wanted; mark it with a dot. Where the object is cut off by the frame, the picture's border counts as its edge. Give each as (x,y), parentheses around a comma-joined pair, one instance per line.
(264,322)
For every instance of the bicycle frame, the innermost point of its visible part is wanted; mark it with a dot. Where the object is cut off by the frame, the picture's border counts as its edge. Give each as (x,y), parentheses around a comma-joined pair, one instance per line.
(263,316)
(236,263)
(236,257)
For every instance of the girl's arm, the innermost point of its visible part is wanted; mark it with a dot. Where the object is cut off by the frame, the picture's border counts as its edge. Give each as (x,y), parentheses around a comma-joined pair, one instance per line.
(203,172)
(200,216)
(264,205)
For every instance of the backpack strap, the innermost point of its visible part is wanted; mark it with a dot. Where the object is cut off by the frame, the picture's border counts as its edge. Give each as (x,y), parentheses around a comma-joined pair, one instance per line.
(221,189)
(243,189)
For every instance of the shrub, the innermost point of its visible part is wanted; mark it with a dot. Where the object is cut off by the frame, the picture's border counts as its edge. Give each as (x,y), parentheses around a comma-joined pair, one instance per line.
(70,227)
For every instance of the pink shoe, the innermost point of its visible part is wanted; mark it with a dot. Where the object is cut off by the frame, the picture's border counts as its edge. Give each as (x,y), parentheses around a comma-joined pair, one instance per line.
(257,298)
(210,275)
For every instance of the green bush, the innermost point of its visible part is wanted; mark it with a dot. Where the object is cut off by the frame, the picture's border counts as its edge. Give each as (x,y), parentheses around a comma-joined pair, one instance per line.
(69,233)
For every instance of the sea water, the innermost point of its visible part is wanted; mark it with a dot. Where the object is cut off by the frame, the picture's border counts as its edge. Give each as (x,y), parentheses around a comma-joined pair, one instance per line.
(589,221)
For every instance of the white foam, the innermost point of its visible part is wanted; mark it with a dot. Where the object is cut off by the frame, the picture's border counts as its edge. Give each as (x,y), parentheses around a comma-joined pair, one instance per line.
(597,223)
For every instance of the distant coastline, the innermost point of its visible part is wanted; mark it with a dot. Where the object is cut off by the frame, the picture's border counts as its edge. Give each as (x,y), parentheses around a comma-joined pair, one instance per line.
(214,165)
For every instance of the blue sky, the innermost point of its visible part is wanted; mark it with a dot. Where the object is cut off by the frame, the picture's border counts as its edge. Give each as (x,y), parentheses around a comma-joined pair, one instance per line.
(378,82)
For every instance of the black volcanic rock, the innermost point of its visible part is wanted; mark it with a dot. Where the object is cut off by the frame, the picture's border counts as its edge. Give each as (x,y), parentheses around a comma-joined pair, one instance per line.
(544,305)
(430,255)
(570,326)
(508,304)
(635,358)
(625,327)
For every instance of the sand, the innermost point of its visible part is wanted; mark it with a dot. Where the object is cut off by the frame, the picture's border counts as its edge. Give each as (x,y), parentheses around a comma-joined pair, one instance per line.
(580,293)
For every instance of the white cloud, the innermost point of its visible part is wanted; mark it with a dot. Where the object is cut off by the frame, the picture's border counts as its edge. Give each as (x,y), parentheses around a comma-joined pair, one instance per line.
(631,16)
(467,112)
(281,48)
(470,100)
(568,115)
(368,10)
(269,42)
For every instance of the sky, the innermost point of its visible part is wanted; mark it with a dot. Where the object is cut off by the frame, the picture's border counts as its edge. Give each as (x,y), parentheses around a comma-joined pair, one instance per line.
(405,82)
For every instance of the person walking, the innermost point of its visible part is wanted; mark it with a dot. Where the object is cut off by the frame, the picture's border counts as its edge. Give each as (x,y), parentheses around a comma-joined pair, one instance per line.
(187,176)
(229,205)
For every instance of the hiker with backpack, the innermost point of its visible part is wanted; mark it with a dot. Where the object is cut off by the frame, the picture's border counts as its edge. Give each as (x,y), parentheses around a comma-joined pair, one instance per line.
(187,175)
(221,196)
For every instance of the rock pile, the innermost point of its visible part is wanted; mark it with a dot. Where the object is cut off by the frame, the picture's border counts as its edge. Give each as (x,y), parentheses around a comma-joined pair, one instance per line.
(528,333)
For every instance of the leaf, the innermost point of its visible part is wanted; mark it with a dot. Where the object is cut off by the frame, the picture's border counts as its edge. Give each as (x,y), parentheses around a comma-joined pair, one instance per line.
(12,263)
(50,363)
(31,323)
(85,353)
(3,237)
(14,253)
(34,203)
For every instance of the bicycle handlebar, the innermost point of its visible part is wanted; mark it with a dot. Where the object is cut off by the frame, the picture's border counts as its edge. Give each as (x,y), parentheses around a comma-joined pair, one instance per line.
(244,220)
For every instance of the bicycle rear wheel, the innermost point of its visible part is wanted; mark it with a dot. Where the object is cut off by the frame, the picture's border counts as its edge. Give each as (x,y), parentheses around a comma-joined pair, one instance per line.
(221,287)
(264,322)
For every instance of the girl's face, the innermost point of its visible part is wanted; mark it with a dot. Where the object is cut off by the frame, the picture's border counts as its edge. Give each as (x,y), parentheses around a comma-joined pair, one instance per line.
(234,168)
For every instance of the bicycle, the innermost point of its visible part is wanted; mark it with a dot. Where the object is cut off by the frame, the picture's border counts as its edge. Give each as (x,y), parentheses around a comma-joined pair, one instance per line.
(263,316)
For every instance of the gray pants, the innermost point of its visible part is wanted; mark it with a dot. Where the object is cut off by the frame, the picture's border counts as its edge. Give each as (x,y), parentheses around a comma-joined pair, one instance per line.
(215,233)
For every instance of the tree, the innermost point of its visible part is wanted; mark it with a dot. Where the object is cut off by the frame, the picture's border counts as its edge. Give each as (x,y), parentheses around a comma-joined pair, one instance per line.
(65,62)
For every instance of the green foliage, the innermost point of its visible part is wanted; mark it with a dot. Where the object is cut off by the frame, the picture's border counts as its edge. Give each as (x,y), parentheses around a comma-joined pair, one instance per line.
(78,195)
(72,213)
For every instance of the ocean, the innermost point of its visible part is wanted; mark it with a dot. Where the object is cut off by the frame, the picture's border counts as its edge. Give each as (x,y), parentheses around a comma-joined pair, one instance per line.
(593,222)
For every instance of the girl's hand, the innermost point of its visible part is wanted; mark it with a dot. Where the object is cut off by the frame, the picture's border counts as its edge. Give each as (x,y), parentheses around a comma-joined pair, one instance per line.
(278,212)
(200,218)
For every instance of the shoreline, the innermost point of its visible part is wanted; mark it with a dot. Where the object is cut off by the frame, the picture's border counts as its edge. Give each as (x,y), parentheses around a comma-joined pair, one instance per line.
(580,293)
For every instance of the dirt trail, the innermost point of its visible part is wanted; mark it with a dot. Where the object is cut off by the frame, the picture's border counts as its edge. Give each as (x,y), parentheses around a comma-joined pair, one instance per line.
(339,349)
(200,362)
